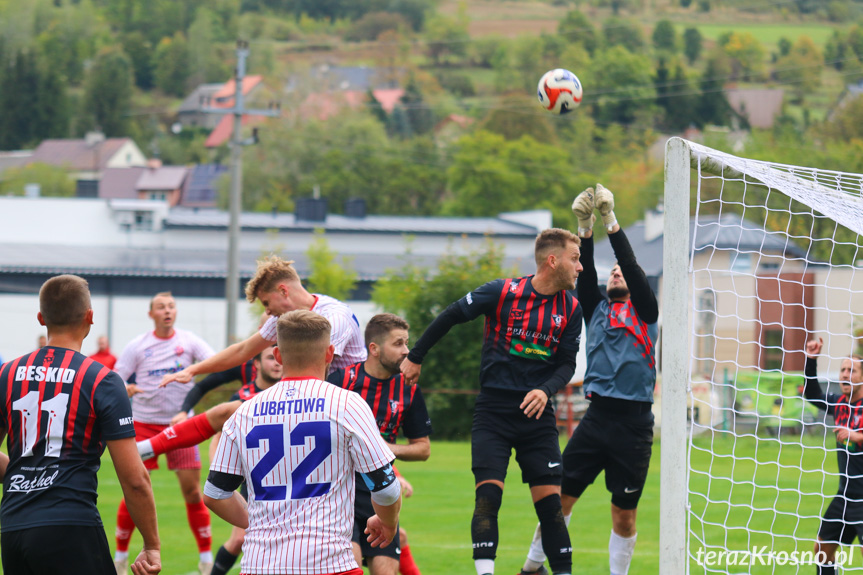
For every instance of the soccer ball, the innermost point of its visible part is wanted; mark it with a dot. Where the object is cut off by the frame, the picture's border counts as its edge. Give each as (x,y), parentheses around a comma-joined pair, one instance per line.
(559,91)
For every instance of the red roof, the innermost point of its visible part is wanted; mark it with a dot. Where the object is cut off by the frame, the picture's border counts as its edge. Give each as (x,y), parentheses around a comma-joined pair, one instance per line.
(223,130)
(224,96)
(324,105)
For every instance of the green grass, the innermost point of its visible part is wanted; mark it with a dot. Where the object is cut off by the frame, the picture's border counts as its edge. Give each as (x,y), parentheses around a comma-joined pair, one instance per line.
(768,34)
(437,518)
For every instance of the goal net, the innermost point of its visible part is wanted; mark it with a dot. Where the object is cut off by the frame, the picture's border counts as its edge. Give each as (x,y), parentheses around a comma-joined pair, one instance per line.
(759,258)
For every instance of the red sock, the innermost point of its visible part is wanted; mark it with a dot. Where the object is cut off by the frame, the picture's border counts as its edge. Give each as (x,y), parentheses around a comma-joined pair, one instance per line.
(407,566)
(199,521)
(185,434)
(125,527)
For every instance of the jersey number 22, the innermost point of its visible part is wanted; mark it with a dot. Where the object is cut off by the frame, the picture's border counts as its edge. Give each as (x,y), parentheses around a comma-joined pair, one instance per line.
(275,436)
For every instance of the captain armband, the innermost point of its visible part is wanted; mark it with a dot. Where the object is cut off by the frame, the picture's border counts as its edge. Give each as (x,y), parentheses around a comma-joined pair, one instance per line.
(385,488)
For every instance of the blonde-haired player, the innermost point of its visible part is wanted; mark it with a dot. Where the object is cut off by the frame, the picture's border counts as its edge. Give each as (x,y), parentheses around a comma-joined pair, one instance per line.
(298,445)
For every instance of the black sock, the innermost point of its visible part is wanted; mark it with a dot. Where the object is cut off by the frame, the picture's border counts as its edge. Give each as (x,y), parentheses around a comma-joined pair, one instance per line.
(223,562)
(483,527)
(828,569)
(555,535)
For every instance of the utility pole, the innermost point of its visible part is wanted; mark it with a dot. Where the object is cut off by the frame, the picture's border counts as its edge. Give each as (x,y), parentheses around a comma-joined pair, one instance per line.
(239,110)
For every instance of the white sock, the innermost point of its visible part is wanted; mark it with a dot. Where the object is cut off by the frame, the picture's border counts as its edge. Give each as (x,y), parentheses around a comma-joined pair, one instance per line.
(484,566)
(620,551)
(206,556)
(535,555)
(120,555)
(145,450)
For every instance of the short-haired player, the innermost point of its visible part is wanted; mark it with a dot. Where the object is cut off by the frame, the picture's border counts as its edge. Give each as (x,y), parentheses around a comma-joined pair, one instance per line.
(298,445)
(396,406)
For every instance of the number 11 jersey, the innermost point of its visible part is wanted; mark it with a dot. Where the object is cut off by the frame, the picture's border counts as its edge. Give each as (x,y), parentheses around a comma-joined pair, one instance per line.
(298,445)
(58,408)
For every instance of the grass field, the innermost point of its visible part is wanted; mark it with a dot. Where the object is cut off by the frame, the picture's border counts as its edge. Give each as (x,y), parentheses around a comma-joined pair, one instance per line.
(437,517)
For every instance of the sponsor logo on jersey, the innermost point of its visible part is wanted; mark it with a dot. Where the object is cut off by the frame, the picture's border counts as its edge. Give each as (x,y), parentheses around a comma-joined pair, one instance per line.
(44,373)
(148,353)
(516,314)
(24,484)
(178,350)
(557,319)
(394,406)
(529,350)
(126,421)
(469,299)
(513,287)
(166,370)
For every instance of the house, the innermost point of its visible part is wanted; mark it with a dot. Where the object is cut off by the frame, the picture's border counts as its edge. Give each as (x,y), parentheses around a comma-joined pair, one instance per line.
(849,94)
(89,157)
(120,183)
(164,183)
(191,112)
(760,106)
(326,78)
(224,98)
(324,105)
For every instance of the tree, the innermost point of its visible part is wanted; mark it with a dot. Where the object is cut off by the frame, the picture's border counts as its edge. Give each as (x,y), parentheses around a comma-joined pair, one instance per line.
(622,32)
(746,53)
(512,123)
(326,275)
(453,276)
(419,115)
(665,37)
(692,44)
(171,64)
(674,96)
(577,27)
(204,64)
(712,106)
(108,91)
(801,68)
(446,36)
(140,52)
(19,76)
(53,181)
(629,88)
(846,124)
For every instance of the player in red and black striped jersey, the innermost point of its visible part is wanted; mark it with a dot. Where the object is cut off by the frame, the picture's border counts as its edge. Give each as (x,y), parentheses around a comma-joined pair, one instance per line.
(245,374)
(395,405)
(532,333)
(59,410)
(843,519)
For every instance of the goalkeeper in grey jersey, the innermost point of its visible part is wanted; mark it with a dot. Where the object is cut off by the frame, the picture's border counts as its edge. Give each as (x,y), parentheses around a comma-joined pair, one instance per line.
(616,433)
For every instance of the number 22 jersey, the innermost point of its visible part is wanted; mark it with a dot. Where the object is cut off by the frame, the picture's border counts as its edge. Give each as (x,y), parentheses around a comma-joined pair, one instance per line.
(58,408)
(298,445)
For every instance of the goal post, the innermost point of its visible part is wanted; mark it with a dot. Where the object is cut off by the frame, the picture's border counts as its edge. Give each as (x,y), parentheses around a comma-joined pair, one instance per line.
(675,360)
(758,258)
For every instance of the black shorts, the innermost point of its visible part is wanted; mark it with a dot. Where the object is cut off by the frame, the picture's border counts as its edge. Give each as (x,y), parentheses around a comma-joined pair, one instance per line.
(842,521)
(499,426)
(362,511)
(67,549)
(619,444)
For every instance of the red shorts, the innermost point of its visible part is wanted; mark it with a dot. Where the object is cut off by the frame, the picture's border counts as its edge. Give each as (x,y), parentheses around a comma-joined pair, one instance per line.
(184,458)
(357,571)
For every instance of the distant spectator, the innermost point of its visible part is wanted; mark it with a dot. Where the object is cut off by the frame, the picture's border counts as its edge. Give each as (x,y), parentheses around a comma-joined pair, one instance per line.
(41,342)
(103,355)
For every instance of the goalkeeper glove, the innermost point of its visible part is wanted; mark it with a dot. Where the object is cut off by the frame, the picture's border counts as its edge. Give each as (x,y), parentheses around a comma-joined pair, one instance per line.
(582,207)
(604,200)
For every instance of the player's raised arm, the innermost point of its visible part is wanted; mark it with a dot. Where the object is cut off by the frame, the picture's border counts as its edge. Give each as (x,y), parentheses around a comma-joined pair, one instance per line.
(138,493)
(229,357)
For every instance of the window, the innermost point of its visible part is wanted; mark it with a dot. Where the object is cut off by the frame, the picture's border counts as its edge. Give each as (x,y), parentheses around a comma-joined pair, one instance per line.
(158,196)
(772,356)
(741,263)
(144,220)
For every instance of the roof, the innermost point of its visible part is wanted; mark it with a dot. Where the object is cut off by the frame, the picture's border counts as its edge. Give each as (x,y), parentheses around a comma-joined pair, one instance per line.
(224,96)
(760,106)
(728,232)
(359,78)
(78,154)
(190,218)
(199,98)
(119,182)
(162,178)
(324,105)
(223,130)
(172,262)
(200,190)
